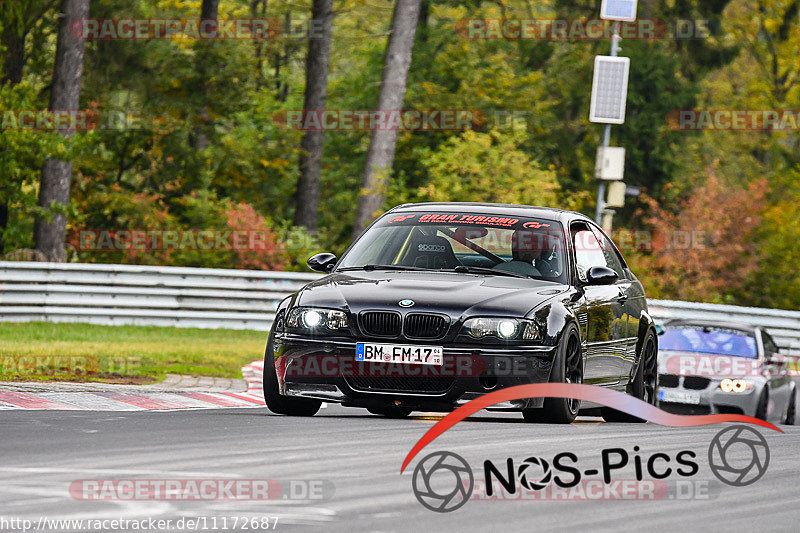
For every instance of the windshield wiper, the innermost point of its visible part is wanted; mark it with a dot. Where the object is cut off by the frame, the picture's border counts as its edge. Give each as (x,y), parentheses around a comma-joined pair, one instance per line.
(480,270)
(370,268)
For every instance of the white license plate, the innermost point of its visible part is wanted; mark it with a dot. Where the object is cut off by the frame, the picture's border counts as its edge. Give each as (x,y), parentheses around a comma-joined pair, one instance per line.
(399,353)
(679,396)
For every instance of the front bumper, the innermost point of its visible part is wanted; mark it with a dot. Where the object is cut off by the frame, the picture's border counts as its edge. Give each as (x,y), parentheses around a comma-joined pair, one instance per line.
(707,400)
(325,369)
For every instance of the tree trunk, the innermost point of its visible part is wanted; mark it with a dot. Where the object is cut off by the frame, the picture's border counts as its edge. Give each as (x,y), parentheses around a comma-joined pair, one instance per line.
(380,155)
(319,48)
(424,17)
(49,232)
(282,58)
(3,224)
(14,57)
(13,61)
(13,39)
(209,9)
(258,10)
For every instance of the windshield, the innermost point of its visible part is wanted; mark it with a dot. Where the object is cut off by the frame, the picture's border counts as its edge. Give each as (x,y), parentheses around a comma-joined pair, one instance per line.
(718,341)
(528,247)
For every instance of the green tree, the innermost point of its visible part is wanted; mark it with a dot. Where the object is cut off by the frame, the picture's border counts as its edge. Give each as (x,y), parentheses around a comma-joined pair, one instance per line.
(487,167)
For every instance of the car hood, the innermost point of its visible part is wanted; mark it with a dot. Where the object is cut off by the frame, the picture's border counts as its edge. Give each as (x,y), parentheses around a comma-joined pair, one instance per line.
(454,294)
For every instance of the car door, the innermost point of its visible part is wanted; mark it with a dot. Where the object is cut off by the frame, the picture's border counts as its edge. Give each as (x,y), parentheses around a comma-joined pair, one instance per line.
(632,297)
(601,309)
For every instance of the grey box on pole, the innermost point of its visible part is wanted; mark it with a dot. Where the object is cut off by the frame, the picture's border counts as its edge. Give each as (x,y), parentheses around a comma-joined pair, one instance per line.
(616,194)
(610,163)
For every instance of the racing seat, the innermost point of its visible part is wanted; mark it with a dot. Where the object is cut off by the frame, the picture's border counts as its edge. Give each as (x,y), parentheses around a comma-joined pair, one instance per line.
(432,252)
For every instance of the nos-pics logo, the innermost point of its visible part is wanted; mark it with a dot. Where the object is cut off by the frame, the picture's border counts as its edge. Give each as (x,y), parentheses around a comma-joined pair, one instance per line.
(443,481)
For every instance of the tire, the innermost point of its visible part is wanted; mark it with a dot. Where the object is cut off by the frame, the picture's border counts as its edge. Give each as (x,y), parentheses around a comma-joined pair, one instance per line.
(791,410)
(390,412)
(763,403)
(567,368)
(644,385)
(277,403)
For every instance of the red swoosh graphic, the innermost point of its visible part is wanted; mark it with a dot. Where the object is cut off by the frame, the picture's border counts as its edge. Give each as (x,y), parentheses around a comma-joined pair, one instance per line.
(609,398)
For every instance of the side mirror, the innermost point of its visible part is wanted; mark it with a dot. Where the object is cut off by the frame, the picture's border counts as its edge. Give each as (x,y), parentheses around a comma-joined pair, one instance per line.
(323,262)
(600,275)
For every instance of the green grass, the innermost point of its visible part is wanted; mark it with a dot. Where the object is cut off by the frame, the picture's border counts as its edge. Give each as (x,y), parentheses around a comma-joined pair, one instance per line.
(80,352)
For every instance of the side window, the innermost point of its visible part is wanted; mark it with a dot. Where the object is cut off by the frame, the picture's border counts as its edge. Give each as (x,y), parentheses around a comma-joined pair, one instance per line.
(613,260)
(588,252)
(770,348)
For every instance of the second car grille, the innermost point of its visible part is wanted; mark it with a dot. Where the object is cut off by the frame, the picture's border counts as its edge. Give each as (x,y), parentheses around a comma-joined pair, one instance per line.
(668,381)
(421,326)
(695,382)
(380,323)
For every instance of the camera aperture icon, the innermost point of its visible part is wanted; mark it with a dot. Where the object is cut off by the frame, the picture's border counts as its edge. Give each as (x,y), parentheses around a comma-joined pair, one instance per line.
(443,482)
(738,456)
(527,473)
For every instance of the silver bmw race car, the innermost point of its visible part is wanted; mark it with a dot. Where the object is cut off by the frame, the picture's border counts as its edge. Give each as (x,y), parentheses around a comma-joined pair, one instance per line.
(719,367)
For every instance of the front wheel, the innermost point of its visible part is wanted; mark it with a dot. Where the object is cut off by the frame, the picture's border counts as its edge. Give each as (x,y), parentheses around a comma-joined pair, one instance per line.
(276,402)
(567,368)
(644,385)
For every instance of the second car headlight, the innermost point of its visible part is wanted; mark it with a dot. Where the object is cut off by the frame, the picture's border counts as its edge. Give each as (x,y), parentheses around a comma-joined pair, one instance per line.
(735,385)
(507,329)
(316,320)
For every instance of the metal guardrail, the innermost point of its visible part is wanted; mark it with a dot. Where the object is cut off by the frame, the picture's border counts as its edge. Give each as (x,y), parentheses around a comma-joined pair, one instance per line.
(143,295)
(235,299)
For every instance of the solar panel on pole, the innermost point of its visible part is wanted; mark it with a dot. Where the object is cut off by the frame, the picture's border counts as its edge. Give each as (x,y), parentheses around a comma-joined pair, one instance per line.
(624,10)
(609,89)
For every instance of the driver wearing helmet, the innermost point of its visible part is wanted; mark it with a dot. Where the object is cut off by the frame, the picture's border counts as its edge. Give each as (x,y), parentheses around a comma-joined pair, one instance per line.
(529,255)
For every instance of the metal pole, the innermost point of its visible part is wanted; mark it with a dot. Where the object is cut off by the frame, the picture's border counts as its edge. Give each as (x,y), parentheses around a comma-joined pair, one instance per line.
(601,187)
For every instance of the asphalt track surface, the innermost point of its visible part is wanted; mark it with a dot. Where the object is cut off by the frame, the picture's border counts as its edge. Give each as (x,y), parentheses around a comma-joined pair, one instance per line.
(43,452)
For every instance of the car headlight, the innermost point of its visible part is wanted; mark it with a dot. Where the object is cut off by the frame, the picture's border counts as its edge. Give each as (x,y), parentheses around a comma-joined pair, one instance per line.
(506,329)
(316,320)
(735,385)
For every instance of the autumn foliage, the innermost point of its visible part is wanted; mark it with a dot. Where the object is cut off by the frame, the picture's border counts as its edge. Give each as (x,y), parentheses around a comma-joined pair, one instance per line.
(266,253)
(705,250)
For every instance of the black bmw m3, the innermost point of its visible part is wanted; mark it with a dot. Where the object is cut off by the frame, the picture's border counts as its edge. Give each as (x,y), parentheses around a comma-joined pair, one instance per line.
(436,304)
